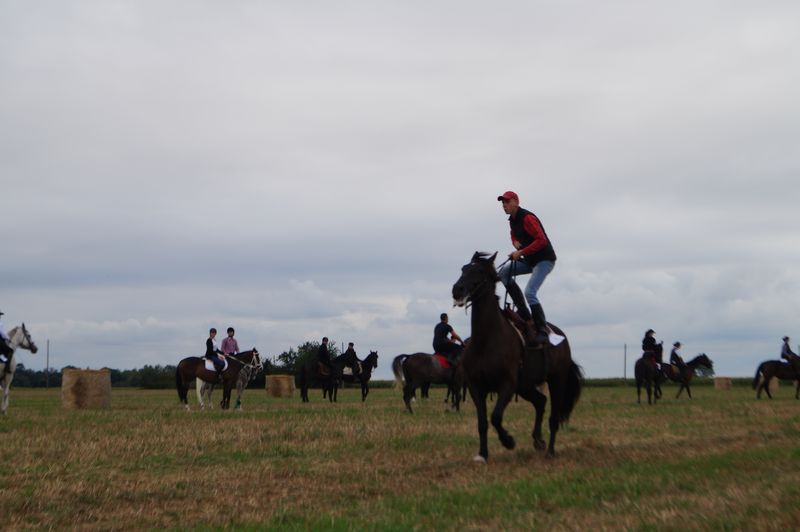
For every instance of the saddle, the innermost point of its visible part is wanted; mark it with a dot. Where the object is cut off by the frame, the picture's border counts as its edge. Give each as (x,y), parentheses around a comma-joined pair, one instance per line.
(324,370)
(440,361)
(536,356)
(210,365)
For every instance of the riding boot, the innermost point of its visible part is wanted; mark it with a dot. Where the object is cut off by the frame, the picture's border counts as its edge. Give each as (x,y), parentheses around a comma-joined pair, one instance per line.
(519,300)
(541,324)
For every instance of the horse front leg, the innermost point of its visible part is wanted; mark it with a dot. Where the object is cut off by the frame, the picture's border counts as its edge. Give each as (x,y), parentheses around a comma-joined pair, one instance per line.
(479,399)
(688,390)
(5,385)
(680,390)
(503,398)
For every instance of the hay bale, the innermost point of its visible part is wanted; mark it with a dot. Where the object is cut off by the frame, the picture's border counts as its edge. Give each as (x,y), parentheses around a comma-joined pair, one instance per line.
(86,388)
(722,383)
(280,385)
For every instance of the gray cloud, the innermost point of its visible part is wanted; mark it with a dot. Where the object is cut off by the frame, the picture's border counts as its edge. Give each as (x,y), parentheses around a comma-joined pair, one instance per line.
(300,172)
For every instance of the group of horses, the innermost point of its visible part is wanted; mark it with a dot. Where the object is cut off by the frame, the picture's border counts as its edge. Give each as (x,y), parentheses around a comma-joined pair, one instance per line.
(243,367)
(650,374)
(495,361)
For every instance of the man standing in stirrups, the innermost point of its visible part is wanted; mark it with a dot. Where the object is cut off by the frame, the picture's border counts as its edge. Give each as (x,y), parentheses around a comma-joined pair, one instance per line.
(533,253)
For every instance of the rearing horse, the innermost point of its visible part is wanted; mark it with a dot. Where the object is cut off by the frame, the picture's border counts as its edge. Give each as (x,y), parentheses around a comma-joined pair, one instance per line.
(673,373)
(20,337)
(191,368)
(495,360)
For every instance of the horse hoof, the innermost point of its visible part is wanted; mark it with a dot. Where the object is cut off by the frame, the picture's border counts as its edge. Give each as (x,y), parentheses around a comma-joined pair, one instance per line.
(478,459)
(508,442)
(539,445)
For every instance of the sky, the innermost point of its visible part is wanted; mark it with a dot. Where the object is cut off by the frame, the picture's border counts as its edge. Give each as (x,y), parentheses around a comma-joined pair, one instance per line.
(299,169)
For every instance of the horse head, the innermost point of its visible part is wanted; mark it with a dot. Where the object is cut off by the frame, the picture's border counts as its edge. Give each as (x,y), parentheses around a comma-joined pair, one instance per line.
(372,360)
(703,360)
(26,342)
(476,277)
(255,362)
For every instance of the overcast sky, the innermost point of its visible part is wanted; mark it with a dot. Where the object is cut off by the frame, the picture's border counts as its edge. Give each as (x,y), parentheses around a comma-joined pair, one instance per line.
(298,169)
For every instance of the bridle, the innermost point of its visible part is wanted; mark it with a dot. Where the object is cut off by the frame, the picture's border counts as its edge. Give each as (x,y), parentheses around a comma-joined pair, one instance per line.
(478,286)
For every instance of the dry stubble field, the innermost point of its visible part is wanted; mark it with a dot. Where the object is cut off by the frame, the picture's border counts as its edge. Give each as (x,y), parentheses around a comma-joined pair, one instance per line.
(720,461)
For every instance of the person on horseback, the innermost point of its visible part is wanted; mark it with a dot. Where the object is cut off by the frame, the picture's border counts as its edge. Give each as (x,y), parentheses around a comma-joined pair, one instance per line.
(324,356)
(5,348)
(650,348)
(676,359)
(786,349)
(445,338)
(229,344)
(533,253)
(213,353)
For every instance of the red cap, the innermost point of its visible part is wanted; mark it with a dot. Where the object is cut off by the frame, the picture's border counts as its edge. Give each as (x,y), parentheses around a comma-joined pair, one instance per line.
(508,195)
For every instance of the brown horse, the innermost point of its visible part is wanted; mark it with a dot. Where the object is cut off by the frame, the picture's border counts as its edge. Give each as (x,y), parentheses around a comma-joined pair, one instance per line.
(192,368)
(496,360)
(364,375)
(673,373)
(767,370)
(420,369)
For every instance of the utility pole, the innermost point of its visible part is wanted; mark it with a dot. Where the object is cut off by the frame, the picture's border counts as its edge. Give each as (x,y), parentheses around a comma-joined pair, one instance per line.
(47,369)
(625,363)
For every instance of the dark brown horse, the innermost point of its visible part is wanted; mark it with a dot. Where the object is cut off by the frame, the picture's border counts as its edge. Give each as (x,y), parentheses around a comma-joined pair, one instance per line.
(192,368)
(311,374)
(767,370)
(673,373)
(646,373)
(420,369)
(364,374)
(496,360)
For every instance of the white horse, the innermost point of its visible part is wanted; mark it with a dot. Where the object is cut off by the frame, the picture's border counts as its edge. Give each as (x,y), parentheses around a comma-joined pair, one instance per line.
(20,337)
(248,373)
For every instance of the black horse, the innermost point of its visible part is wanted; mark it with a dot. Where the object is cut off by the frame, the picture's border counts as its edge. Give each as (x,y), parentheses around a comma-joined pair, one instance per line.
(420,369)
(647,374)
(312,372)
(496,360)
(769,369)
(684,377)
(364,374)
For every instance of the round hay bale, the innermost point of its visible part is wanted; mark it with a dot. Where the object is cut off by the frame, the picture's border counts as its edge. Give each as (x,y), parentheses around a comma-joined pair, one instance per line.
(722,383)
(86,388)
(280,385)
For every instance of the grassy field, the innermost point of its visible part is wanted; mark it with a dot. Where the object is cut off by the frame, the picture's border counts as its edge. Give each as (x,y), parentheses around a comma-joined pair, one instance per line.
(720,461)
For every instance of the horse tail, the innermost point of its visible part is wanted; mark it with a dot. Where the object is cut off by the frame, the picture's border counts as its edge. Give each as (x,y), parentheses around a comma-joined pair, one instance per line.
(397,369)
(179,385)
(759,375)
(572,392)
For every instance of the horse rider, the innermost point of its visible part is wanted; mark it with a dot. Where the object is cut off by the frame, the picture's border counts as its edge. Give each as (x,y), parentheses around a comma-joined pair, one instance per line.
(650,348)
(445,340)
(323,356)
(533,253)
(213,353)
(351,353)
(789,355)
(5,347)
(676,359)
(229,344)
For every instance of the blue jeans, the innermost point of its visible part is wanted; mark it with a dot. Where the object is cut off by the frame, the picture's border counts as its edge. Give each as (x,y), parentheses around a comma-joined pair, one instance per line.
(538,274)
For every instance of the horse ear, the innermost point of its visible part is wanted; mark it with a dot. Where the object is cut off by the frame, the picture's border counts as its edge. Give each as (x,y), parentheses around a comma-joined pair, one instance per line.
(491,259)
(476,256)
